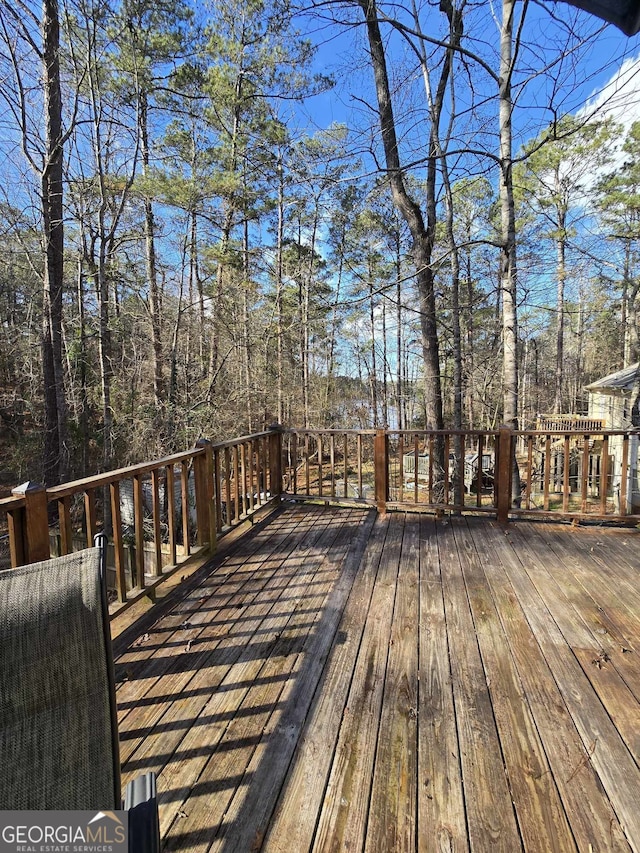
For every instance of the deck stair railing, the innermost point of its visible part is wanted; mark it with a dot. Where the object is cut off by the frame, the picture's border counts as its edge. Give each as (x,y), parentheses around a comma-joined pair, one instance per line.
(159,514)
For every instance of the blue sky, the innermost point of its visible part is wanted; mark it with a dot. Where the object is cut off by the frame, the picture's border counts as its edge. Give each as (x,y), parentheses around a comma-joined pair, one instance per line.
(587,75)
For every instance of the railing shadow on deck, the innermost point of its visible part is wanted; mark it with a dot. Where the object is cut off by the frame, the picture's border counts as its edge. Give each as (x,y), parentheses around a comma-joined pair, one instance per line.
(285,668)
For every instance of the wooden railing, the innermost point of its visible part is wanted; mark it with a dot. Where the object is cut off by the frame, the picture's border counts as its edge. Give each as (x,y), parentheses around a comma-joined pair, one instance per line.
(563,473)
(391,468)
(158,514)
(579,474)
(574,423)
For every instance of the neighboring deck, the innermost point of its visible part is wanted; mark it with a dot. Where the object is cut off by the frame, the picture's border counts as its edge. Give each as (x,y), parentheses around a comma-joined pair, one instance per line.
(351,682)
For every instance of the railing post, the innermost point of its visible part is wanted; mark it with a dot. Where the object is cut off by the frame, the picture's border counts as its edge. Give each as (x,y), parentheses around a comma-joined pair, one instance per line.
(203,481)
(381,469)
(505,463)
(30,529)
(275,460)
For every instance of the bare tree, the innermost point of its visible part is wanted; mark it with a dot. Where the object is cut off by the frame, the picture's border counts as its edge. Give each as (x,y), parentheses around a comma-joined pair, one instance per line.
(29,42)
(423,236)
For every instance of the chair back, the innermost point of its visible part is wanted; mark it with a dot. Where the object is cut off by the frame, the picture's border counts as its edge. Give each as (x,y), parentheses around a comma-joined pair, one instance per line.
(58,729)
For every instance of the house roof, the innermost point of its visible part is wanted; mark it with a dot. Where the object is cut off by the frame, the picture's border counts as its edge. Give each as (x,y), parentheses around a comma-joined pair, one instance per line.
(621,380)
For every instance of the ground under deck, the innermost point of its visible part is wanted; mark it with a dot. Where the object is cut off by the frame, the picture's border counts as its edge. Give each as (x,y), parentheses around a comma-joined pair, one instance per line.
(351,682)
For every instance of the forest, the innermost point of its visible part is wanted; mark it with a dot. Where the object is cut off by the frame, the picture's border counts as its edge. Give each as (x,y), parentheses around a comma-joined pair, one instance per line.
(192,245)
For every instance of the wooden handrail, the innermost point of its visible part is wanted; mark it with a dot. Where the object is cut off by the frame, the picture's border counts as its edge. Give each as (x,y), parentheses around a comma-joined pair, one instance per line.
(98,480)
(244,439)
(12,502)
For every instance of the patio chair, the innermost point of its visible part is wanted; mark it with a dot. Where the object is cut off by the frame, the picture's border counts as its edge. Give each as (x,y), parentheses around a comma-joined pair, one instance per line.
(58,724)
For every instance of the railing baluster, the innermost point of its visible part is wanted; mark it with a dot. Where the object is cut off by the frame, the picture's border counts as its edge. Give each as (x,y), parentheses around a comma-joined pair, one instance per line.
(415,466)
(171,513)
(565,475)
(184,476)
(430,498)
(585,472)
(118,547)
(401,458)
(480,471)
(359,452)
(447,449)
(217,480)
(294,462)
(16,523)
(332,456)
(138,527)
(527,495)
(255,468)
(227,484)
(250,454)
(604,478)
(66,533)
(320,451)
(157,531)
(547,470)
(624,474)
(345,452)
(90,515)
(242,480)
(236,481)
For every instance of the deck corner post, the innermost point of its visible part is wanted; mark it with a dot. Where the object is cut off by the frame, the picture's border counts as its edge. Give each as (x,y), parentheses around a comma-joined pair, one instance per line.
(275,460)
(205,507)
(503,481)
(381,469)
(29,526)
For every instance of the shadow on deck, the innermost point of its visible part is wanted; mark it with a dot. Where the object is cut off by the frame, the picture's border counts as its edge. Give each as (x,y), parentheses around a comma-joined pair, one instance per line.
(351,682)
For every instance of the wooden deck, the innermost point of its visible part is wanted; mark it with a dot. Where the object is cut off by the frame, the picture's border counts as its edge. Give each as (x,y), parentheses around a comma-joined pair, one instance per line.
(350,682)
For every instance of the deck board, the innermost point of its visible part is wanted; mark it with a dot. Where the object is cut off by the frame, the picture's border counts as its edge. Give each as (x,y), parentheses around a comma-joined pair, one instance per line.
(341,681)
(541,817)
(442,823)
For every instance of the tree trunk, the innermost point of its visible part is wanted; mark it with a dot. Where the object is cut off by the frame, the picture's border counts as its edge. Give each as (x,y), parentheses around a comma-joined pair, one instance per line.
(629,312)
(561,249)
(246,334)
(373,380)
(423,238)
(385,387)
(469,355)
(508,268)
(55,427)
(104,345)
(82,357)
(279,283)
(333,333)
(150,258)
(399,382)
(577,402)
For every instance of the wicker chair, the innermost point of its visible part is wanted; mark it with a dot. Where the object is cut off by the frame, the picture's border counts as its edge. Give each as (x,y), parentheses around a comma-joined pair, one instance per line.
(58,724)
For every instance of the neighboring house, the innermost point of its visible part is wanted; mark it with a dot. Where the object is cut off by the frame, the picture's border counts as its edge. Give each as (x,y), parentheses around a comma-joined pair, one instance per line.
(615,400)
(613,404)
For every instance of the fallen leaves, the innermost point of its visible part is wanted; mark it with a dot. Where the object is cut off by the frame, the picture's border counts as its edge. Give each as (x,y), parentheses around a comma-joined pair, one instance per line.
(602,658)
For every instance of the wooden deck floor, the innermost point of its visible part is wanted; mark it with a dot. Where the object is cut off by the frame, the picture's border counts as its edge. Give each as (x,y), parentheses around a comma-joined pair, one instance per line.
(346,682)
